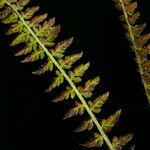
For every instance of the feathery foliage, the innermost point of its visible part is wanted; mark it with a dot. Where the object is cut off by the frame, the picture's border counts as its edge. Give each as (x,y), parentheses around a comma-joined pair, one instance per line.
(38,35)
(139,42)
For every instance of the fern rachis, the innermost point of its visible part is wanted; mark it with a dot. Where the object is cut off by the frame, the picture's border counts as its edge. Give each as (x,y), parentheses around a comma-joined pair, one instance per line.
(39,40)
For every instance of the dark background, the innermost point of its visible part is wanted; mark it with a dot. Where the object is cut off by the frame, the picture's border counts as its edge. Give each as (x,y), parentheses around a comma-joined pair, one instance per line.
(30,121)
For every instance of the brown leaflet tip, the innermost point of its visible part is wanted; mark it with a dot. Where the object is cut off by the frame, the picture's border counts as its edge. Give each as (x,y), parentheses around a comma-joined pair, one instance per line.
(70,40)
(86,125)
(58,99)
(52,20)
(49,89)
(56,30)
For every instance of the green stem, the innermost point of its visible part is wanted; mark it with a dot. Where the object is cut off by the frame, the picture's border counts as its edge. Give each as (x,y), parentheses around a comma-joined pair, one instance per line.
(66,77)
(135,49)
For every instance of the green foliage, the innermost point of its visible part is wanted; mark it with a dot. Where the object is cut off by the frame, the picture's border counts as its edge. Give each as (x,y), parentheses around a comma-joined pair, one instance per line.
(38,37)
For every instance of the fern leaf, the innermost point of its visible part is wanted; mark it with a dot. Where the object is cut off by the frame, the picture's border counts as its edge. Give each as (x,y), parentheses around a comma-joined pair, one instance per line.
(38,37)
(96,105)
(23,51)
(108,124)
(22,37)
(38,19)
(46,28)
(97,141)
(138,41)
(48,41)
(48,66)
(56,82)
(34,56)
(118,143)
(29,12)
(61,47)
(87,125)
(65,95)
(32,46)
(78,109)
(78,72)
(12,18)
(15,28)
(90,85)
(69,60)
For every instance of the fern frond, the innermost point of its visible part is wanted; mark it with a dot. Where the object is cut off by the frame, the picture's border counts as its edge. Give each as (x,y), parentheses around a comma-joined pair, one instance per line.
(138,41)
(38,36)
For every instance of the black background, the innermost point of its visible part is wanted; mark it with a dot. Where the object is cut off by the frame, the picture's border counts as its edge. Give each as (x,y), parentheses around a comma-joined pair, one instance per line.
(30,121)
